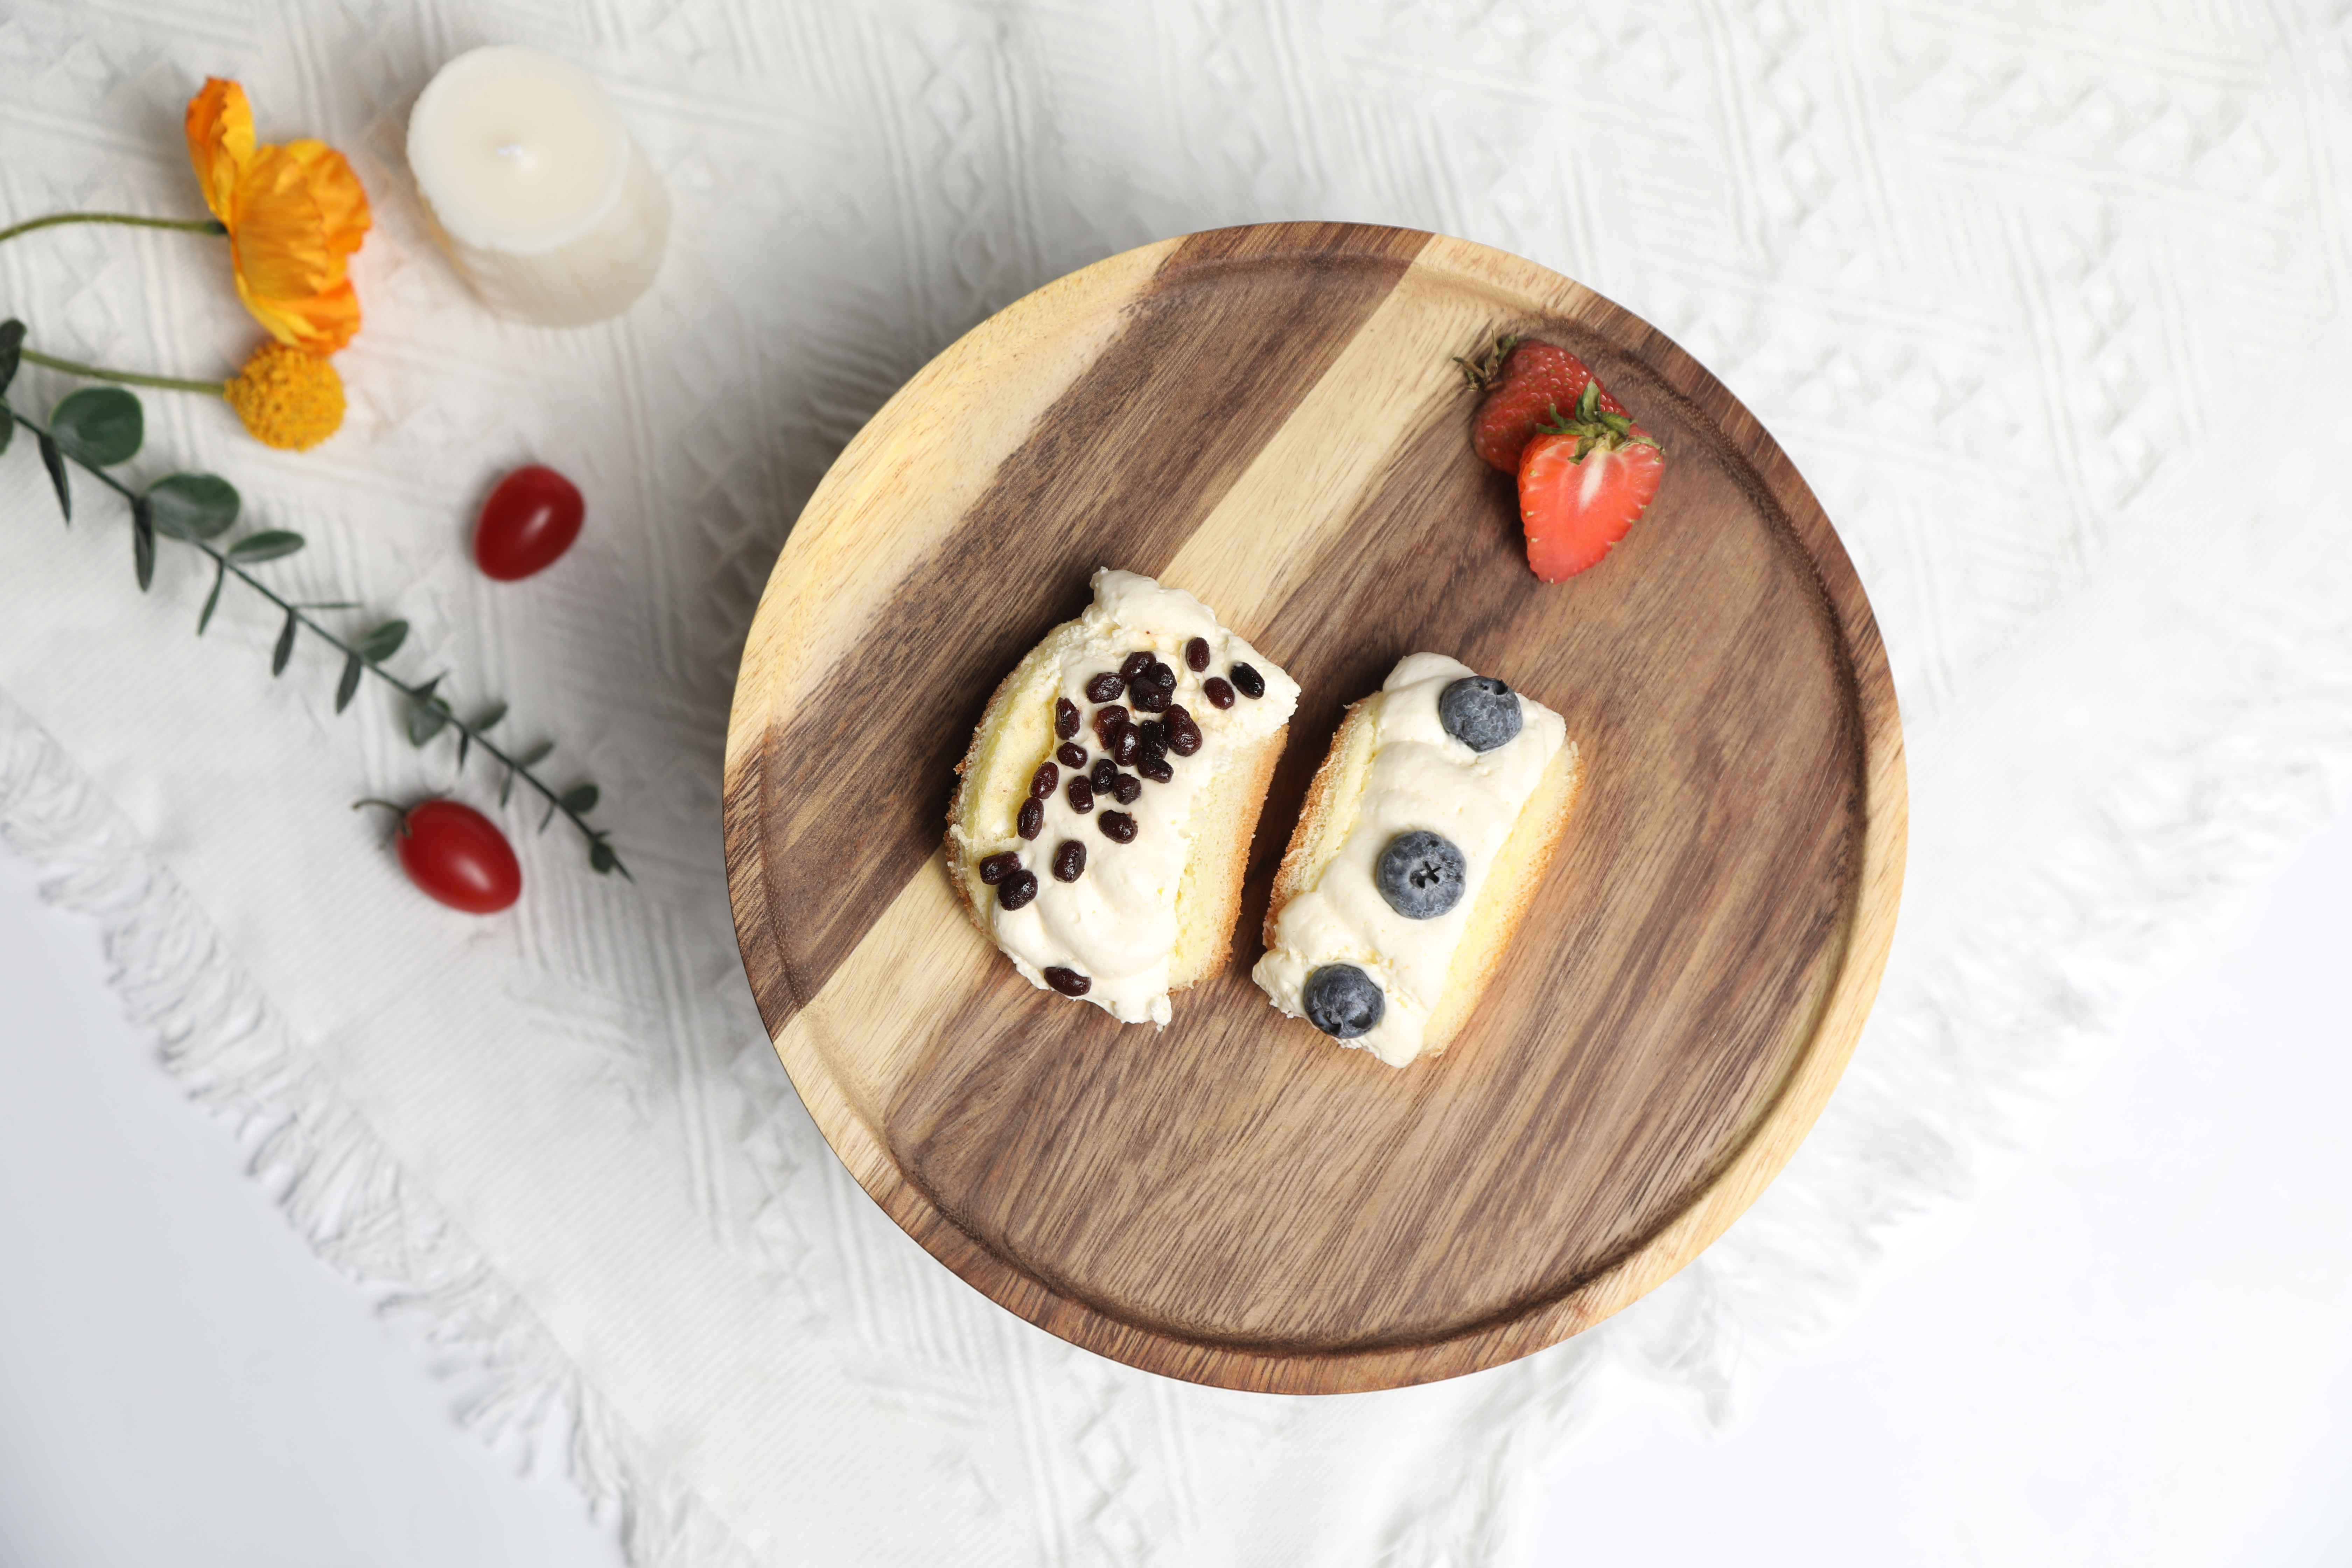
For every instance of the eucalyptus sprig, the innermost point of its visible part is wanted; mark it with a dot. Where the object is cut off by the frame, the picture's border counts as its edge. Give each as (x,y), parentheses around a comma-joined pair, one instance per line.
(101,428)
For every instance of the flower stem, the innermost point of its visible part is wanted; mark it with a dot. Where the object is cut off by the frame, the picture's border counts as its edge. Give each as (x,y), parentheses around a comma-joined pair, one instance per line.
(414,694)
(98,373)
(191,225)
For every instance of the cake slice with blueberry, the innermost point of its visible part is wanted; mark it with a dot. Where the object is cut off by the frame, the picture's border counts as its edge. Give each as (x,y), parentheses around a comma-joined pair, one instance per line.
(1425,836)
(1102,818)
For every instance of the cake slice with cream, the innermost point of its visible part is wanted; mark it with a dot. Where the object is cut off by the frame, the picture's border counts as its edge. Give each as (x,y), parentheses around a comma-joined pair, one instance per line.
(1423,837)
(1102,818)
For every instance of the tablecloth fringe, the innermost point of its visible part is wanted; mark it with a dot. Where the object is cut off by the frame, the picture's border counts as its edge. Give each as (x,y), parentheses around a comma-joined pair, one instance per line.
(335,1180)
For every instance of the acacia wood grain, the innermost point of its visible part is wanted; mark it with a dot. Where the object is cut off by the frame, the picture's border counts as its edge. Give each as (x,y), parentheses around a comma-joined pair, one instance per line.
(1235,1199)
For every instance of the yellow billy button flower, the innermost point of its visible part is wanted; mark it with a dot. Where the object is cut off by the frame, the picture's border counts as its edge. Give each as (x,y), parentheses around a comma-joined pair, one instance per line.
(287,398)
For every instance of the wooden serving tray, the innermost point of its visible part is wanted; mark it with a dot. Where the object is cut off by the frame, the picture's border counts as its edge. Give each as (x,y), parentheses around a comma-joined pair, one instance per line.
(1268,418)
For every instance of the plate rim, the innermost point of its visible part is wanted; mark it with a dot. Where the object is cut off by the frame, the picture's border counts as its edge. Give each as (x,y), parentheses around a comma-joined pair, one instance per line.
(1867,922)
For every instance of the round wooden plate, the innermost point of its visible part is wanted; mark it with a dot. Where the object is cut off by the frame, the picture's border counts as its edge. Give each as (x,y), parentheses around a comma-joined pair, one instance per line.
(1269,417)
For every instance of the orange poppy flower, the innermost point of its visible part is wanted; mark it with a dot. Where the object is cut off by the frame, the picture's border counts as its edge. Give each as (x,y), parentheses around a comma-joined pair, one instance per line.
(293,213)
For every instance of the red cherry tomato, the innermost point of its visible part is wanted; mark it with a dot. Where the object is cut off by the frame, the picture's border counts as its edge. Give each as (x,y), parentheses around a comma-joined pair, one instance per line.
(459,857)
(529,520)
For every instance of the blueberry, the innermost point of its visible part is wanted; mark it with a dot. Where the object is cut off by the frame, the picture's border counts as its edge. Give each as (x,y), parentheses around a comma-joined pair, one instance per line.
(1420,874)
(1480,711)
(1343,1001)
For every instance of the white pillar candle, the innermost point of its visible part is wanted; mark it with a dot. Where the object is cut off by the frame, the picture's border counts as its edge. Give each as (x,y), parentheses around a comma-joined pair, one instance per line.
(531,184)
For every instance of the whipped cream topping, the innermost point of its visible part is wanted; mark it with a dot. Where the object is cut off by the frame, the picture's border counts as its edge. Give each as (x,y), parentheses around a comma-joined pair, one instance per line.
(1419,777)
(1117,923)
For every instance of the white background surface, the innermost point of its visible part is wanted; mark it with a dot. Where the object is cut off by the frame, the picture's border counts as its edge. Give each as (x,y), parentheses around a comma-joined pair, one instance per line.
(2128,1346)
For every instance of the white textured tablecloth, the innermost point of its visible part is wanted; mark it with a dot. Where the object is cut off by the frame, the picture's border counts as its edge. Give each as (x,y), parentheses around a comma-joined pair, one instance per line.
(2047,308)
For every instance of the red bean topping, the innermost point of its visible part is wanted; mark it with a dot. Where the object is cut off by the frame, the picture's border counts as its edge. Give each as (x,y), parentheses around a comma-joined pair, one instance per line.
(1126,746)
(1251,684)
(1017,890)
(1156,769)
(1117,827)
(1082,796)
(1161,676)
(1136,663)
(1065,718)
(1042,782)
(1068,982)
(1218,690)
(1108,722)
(1146,698)
(1155,738)
(1127,789)
(1069,862)
(1070,754)
(1106,771)
(1104,687)
(1183,733)
(994,868)
(1196,655)
(1032,820)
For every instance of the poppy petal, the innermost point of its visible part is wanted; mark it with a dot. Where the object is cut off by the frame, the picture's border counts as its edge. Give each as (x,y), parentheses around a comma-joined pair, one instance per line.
(300,211)
(220,142)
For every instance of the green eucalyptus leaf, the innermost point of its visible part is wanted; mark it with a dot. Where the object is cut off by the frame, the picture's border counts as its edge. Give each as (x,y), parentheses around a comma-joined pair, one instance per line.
(506,790)
(552,808)
(601,856)
(54,460)
(7,424)
(12,346)
(381,642)
(496,711)
(464,744)
(101,426)
(142,541)
(267,545)
(579,799)
(193,506)
(285,648)
(428,714)
(536,755)
(349,685)
(212,600)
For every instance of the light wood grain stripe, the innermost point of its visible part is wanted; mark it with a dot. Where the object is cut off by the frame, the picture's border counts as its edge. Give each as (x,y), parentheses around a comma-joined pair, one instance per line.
(1097,478)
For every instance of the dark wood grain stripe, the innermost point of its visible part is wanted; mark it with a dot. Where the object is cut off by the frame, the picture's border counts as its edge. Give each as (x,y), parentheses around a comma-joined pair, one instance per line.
(1221,347)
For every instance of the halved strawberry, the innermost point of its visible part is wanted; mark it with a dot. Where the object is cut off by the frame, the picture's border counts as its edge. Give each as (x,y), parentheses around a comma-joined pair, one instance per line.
(1524,381)
(1582,482)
